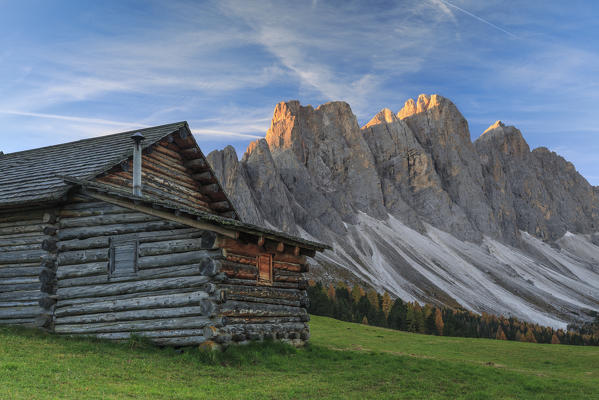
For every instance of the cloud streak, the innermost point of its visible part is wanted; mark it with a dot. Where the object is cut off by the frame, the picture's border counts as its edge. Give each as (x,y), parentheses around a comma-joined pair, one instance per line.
(484,21)
(98,121)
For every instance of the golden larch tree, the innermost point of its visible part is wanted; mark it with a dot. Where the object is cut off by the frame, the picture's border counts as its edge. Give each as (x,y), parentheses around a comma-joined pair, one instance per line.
(357,293)
(500,335)
(439,324)
(555,339)
(387,304)
(331,292)
(373,297)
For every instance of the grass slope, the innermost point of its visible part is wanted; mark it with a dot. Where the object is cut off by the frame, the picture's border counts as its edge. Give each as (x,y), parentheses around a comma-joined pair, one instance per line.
(344,361)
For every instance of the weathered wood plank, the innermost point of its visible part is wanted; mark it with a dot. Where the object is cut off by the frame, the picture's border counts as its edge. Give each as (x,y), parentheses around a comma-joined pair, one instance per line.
(31,240)
(239,271)
(40,234)
(16,294)
(205,308)
(21,312)
(164,260)
(20,247)
(240,259)
(20,287)
(19,229)
(77,257)
(86,300)
(117,229)
(22,303)
(167,272)
(21,216)
(92,212)
(164,171)
(152,334)
(89,243)
(197,163)
(137,303)
(19,321)
(264,292)
(22,256)
(88,205)
(20,270)
(19,280)
(171,155)
(249,299)
(140,325)
(109,219)
(169,247)
(131,287)
(81,270)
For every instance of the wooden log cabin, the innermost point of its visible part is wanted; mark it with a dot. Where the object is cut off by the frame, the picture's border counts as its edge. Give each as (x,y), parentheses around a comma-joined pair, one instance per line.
(132,233)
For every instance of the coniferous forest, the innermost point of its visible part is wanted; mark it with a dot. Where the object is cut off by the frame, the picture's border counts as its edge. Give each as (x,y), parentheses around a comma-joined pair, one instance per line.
(371,308)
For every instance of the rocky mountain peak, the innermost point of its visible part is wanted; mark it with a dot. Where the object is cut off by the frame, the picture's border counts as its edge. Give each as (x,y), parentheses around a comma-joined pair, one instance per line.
(280,133)
(385,116)
(409,108)
(423,103)
(497,124)
(291,124)
(504,138)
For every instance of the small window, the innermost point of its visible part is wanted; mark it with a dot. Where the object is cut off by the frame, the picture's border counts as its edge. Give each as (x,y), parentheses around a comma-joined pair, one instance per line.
(265,268)
(123,258)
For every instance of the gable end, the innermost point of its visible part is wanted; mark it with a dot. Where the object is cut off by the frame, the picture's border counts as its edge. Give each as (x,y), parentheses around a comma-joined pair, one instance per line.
(175,169)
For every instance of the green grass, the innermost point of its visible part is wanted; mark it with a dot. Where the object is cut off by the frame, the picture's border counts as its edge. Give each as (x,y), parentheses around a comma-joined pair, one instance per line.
(343,361)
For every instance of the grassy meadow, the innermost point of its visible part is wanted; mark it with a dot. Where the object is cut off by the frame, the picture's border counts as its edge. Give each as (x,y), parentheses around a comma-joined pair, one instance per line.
(343,361)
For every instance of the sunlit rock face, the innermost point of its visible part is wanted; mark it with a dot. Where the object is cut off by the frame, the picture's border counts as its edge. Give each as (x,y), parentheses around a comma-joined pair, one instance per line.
(444,134)
(538,192)
(413,207)
(327,141)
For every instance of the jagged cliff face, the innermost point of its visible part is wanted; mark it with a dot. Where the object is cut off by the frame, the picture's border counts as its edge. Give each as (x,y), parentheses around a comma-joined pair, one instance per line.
(412,206)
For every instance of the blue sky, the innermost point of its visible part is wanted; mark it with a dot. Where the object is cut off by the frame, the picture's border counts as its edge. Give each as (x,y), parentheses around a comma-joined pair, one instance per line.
(77,69)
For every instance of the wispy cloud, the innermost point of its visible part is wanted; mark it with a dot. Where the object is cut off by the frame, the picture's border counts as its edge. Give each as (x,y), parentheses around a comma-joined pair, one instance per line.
(441,3)
(224,134)
(97,121)
(344,53)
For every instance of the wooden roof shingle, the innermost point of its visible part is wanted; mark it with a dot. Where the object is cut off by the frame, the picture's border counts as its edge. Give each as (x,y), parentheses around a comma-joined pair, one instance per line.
(32,176)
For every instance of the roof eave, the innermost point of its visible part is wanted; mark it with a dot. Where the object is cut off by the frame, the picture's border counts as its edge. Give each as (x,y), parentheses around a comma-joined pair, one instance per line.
(219,222)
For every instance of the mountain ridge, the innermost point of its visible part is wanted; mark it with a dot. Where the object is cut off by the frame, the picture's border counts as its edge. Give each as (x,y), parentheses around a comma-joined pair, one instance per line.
(388,193)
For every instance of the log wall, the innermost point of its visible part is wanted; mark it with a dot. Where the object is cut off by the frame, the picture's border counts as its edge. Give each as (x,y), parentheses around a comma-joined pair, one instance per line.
(171,297)
(256,310)
(27,266)
(190,285)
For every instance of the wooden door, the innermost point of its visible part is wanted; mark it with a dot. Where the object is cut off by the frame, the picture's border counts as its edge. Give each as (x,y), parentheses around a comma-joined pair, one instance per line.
(265,268)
